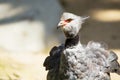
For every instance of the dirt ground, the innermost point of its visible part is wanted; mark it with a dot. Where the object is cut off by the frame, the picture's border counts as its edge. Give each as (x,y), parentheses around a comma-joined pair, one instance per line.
(22,66)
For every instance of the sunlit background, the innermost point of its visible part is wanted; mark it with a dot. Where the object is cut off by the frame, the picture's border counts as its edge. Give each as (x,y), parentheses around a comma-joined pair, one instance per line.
(28,32)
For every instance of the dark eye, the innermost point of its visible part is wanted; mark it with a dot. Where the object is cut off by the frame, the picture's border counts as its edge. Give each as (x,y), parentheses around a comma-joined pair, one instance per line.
(68,20)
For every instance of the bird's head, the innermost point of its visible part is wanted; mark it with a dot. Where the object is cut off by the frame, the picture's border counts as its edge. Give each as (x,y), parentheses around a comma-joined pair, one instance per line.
(70,24)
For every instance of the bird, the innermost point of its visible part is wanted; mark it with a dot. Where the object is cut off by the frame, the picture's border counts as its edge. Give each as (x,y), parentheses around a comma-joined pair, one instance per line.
(72,60)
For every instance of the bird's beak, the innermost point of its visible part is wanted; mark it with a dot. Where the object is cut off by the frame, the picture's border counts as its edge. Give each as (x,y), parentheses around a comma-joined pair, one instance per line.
(61,24)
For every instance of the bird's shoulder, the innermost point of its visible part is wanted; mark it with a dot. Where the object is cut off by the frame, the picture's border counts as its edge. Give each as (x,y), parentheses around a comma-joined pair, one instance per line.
(56,50)
(54,55)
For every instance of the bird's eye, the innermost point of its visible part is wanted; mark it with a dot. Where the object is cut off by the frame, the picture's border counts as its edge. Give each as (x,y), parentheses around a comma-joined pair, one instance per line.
(68,20)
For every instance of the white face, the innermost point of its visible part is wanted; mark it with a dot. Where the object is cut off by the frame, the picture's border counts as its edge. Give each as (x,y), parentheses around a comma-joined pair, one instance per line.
(70,24)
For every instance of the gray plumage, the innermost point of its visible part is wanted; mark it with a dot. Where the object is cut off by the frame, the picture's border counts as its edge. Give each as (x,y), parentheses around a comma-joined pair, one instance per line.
(74,61)
(92,62)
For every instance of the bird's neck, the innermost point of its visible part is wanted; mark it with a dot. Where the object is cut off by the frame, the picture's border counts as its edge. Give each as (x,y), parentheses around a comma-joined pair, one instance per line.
(72,41)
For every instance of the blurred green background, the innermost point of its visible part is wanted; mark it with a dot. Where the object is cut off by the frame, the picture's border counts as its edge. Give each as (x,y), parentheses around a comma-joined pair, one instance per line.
(28,32)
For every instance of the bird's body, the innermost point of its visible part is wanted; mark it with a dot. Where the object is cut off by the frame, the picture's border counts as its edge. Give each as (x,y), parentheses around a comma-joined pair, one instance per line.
(74,61)
(85,63)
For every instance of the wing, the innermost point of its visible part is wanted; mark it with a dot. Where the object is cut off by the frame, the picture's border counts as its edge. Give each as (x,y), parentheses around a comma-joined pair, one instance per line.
(109,57)
(114,65)
(53,60)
